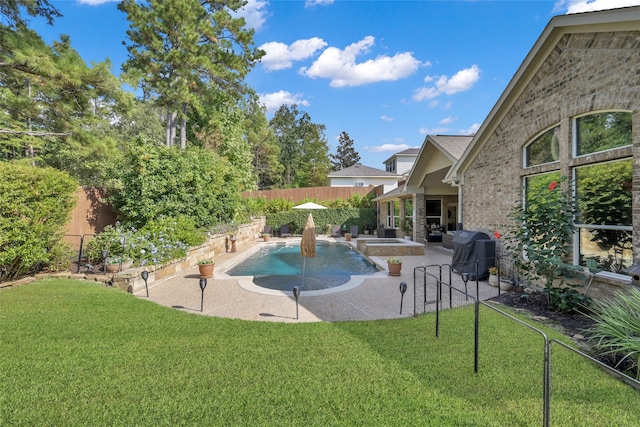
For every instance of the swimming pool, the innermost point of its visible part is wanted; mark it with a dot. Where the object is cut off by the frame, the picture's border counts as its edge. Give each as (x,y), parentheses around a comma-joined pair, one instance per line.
(279,267)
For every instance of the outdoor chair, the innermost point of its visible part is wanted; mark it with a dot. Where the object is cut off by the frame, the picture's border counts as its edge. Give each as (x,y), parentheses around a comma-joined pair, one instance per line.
(267,230)
(354,231)
(335,230)
(285,231)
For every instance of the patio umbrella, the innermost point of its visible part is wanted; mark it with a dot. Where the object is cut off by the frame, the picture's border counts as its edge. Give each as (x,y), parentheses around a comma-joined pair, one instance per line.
(308,243)
(309,205)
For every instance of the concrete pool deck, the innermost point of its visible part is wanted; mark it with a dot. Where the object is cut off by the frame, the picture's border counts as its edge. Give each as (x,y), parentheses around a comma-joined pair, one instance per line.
(374,297)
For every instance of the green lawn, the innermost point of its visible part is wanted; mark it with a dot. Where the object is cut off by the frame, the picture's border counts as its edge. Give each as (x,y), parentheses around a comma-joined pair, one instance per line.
(76,353)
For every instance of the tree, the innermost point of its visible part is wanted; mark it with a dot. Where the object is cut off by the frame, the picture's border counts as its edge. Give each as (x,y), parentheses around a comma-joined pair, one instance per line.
(51,102)
(267,165)
(185,51)
(345,155)
(304,148)
(10,11)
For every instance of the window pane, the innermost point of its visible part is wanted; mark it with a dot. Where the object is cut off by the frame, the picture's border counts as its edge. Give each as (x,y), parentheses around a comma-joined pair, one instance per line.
(603,131)
(544,149)
(605,199)
(605,193)
(433,208)
(611,253)
(538,182)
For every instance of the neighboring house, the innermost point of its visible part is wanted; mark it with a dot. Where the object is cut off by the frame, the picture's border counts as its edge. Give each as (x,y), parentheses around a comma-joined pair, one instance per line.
(402,162)
(432,203)
(580,79)
(363,176)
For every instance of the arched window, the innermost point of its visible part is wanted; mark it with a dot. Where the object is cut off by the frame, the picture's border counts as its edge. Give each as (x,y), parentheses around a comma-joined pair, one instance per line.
(543,149)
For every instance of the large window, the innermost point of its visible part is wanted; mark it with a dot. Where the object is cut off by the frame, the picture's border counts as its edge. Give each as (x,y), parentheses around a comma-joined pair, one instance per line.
(544,149)
(602,184)
(604,194)
(602,131)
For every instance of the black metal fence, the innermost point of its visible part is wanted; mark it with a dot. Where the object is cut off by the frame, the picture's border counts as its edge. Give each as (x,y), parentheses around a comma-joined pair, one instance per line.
(436,277)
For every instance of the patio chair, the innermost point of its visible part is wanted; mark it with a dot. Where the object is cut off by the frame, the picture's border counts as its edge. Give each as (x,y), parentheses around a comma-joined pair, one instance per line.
(285,231)
(267,230)
(335,230)
(354,231)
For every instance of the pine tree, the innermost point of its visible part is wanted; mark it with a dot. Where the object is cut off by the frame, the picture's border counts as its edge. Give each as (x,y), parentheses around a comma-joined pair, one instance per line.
(345,155)
(187,52)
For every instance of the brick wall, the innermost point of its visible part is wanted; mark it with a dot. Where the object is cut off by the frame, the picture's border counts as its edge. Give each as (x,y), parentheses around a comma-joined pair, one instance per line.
(583,73)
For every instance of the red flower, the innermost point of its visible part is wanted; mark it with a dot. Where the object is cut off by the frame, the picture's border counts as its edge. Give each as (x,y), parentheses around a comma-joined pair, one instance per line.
(497,234)
(553,185)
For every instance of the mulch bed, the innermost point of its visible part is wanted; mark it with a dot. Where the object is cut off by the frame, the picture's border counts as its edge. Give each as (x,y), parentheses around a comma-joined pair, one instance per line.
(535,304)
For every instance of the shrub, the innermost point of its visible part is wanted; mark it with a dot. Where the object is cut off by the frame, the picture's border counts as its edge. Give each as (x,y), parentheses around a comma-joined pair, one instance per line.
(617,327)
(34,206)
(158,182)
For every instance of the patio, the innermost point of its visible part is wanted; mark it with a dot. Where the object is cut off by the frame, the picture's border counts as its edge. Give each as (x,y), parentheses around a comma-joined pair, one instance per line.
(376,297)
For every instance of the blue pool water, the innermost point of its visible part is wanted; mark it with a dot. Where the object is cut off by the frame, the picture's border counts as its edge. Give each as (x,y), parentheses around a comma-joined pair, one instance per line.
(280,267)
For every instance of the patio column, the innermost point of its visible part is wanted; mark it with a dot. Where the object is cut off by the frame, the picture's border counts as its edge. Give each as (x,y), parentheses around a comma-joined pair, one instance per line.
(419,234)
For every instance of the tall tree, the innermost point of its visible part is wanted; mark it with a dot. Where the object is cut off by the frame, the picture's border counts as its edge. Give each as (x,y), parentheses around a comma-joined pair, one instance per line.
(304,148)
(51,101)
(267,165)
(345,155)
(182,51)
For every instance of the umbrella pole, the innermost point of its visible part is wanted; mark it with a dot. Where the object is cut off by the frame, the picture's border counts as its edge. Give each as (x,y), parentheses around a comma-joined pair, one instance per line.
(304,264)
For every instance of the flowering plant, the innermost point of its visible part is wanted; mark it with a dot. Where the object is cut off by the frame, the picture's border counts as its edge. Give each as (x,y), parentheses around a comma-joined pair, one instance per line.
(394,260)
(207,261)
(493,271)
(541,238)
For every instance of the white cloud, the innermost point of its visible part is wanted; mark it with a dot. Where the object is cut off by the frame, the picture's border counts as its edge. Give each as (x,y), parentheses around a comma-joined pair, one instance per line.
(434,131)
(273,101)
(387,147)
(578,6)
(311,3)
(254,13)
(341,67)
(447,120)
(434,103)
(471,130)
(386,118)
(279,56)
(461,81)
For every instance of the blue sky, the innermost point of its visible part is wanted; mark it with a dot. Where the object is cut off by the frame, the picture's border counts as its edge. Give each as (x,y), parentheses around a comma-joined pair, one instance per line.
(386,72)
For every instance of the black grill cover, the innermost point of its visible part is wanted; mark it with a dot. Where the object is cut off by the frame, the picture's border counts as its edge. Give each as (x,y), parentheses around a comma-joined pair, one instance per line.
(469,246)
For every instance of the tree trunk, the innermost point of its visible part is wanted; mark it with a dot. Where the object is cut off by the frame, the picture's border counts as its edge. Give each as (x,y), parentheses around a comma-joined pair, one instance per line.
(172,122)
(183,127)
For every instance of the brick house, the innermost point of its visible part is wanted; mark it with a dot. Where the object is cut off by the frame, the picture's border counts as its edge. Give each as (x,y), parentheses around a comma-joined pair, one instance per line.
(431,202)
(580,79)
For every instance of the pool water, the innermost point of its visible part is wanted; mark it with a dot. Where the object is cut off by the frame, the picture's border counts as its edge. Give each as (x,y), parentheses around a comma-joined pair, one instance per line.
(280,267)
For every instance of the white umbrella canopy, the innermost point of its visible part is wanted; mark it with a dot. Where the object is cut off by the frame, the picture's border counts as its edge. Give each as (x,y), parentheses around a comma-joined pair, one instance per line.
(309,205)
(308,242)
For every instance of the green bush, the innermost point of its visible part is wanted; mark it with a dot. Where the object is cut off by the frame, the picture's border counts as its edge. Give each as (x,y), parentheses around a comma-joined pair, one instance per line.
(617,328)
(35,204)
(158,182)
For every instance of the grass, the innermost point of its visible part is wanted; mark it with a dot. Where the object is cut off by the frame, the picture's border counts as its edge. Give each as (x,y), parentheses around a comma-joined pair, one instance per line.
(76,353)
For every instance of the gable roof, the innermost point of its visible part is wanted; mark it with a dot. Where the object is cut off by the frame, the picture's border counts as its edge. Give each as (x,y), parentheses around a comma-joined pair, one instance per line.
(437,152)
(359,170)
(622,19)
